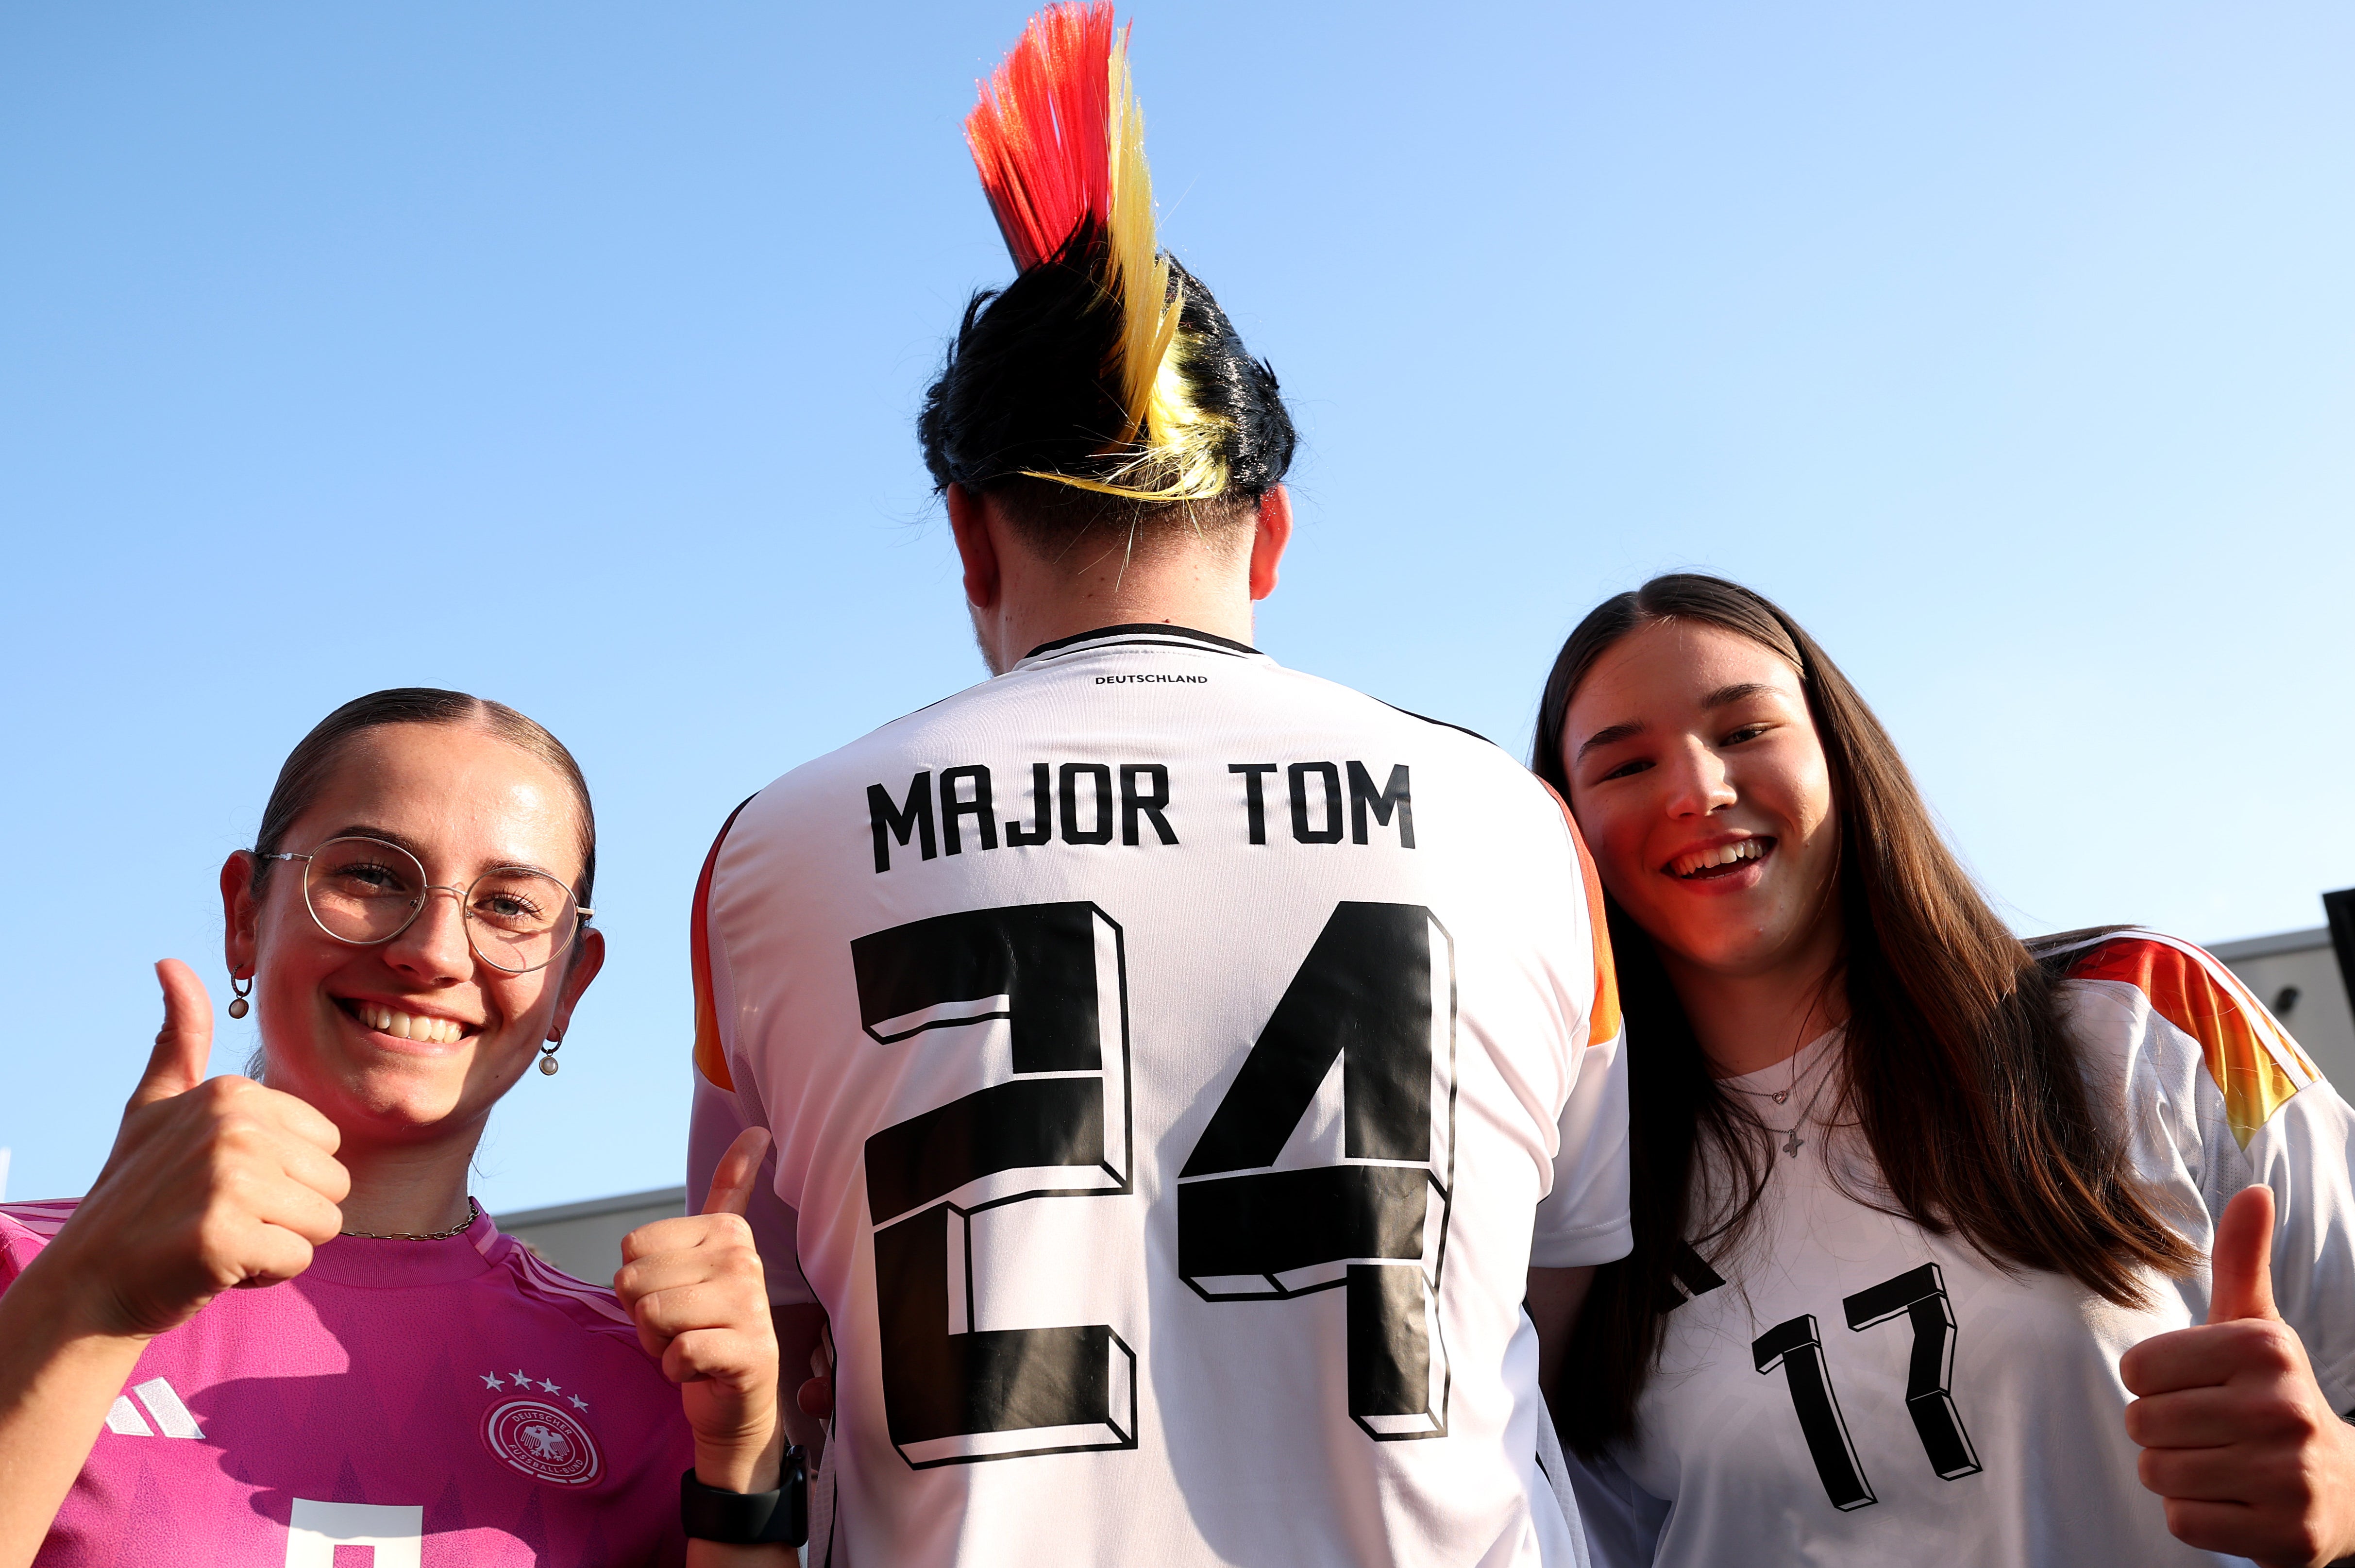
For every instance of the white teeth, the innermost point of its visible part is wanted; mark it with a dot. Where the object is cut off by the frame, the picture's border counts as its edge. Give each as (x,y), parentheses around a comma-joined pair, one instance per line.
(1723,855)
(409,1026)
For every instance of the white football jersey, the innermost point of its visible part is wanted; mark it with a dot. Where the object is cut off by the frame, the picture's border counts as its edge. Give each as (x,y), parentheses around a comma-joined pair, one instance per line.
(1176,1063)
(1848,1389)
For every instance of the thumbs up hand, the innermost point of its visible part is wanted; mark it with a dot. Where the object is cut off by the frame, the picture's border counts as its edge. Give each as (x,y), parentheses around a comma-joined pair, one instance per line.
(212,1185)
(697,1289)
(2235,1434)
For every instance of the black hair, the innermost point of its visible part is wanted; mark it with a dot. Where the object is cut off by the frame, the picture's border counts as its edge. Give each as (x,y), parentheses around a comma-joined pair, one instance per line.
(1025,390)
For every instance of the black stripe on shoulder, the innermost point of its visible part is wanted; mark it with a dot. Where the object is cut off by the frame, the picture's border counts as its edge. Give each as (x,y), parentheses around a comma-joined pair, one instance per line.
(1109,634)
(1440,722)
(723,836)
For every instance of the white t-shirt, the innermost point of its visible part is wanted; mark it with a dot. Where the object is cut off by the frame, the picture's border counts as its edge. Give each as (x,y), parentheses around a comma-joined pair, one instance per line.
(1167,1054)
(1848,1389)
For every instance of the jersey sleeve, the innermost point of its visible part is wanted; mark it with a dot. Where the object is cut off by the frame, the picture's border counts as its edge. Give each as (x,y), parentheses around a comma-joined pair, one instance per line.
(723,1109)
(1622,1521)
(2244,1104)
(1584,1218)
(24,1229)
(18,1246)
(2305,1153)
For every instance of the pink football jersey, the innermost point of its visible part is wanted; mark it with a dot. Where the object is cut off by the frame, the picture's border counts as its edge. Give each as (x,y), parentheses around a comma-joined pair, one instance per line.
(401,1404)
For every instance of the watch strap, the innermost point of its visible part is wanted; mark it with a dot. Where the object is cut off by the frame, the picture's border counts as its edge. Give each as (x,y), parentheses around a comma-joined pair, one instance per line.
(779,1518)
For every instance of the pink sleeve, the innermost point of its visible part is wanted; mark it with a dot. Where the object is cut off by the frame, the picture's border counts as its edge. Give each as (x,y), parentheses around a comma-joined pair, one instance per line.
(24,1229)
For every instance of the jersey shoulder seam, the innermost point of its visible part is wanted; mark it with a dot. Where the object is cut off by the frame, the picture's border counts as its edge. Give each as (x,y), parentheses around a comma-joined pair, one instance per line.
(2249,1057)
(536,1276)
(42,1218)
(853,745)
(1444,724)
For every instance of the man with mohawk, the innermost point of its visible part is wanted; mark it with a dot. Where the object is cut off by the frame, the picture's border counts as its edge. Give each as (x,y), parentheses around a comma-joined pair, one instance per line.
(1181,1069)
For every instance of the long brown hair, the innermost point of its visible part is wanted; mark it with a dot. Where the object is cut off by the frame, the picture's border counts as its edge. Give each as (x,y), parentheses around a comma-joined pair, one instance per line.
(1958,1066)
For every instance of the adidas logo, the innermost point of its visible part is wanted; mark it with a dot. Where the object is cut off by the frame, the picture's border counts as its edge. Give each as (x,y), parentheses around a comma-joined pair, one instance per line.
(172,1417)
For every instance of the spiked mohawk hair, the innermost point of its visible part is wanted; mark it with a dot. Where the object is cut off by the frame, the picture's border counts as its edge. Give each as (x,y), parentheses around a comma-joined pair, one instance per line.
(1106,367)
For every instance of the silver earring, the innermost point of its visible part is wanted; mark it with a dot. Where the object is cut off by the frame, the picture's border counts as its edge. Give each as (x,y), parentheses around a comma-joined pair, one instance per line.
(548,1054)
(237,1005)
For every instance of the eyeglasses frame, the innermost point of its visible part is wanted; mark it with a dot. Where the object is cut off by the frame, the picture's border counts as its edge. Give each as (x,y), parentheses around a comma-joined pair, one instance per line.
(465,917)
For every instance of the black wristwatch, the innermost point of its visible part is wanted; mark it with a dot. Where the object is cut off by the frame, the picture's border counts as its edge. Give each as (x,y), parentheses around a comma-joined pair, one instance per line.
(749,1519)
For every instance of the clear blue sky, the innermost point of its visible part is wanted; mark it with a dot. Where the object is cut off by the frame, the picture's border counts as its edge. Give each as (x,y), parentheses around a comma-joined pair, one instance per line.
(568,354)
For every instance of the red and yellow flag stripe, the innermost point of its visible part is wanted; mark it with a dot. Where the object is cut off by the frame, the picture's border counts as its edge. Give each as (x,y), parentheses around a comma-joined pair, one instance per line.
(2249,1055)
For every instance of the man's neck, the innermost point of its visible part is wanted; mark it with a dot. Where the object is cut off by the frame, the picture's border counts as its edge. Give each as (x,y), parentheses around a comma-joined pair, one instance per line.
(1023,596)
(1195,588)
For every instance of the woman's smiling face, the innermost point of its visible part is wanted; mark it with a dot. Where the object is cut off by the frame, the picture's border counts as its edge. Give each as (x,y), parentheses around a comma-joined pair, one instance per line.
(416,1037)
(1701,787)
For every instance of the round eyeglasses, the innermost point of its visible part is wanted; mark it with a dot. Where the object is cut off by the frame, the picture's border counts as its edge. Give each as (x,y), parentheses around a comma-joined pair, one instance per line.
(366,891)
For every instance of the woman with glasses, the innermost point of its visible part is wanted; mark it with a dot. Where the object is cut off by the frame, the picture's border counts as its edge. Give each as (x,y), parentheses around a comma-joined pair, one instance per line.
(1920,1209)
(277,1327)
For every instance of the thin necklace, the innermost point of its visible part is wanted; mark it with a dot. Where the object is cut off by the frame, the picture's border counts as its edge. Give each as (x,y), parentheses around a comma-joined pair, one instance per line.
(474,1213)
(1783,1095)
(1793,1143)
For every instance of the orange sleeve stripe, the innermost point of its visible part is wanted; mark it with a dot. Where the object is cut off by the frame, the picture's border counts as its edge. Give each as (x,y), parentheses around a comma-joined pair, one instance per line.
(710,1054)
(2250,1056)
(1603,1019)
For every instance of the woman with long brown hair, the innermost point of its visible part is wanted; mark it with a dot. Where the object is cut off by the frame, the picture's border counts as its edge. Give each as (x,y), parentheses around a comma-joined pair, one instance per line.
(1918,1208)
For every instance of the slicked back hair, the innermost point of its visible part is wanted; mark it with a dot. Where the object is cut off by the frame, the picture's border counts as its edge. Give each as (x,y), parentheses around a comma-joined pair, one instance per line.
(312,761)
(1023,411)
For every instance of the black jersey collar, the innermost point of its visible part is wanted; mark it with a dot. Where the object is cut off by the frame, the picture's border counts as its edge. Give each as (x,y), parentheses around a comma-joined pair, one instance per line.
(1148,633)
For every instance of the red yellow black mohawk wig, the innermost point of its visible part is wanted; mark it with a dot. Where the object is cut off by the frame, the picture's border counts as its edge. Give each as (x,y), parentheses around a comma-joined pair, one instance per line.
(1060,146)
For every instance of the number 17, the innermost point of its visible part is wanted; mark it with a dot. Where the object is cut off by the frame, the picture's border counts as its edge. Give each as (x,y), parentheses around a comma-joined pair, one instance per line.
(1796,1346)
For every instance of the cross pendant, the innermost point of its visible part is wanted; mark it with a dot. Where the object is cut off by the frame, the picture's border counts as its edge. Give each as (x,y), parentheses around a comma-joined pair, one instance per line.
(1792,1145)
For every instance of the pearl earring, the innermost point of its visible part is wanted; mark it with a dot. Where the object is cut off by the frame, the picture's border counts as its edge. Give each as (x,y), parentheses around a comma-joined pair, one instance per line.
(237,1005)
(548,1054)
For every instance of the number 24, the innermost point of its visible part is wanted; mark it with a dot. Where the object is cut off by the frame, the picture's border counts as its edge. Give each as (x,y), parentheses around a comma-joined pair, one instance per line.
(1376,992)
